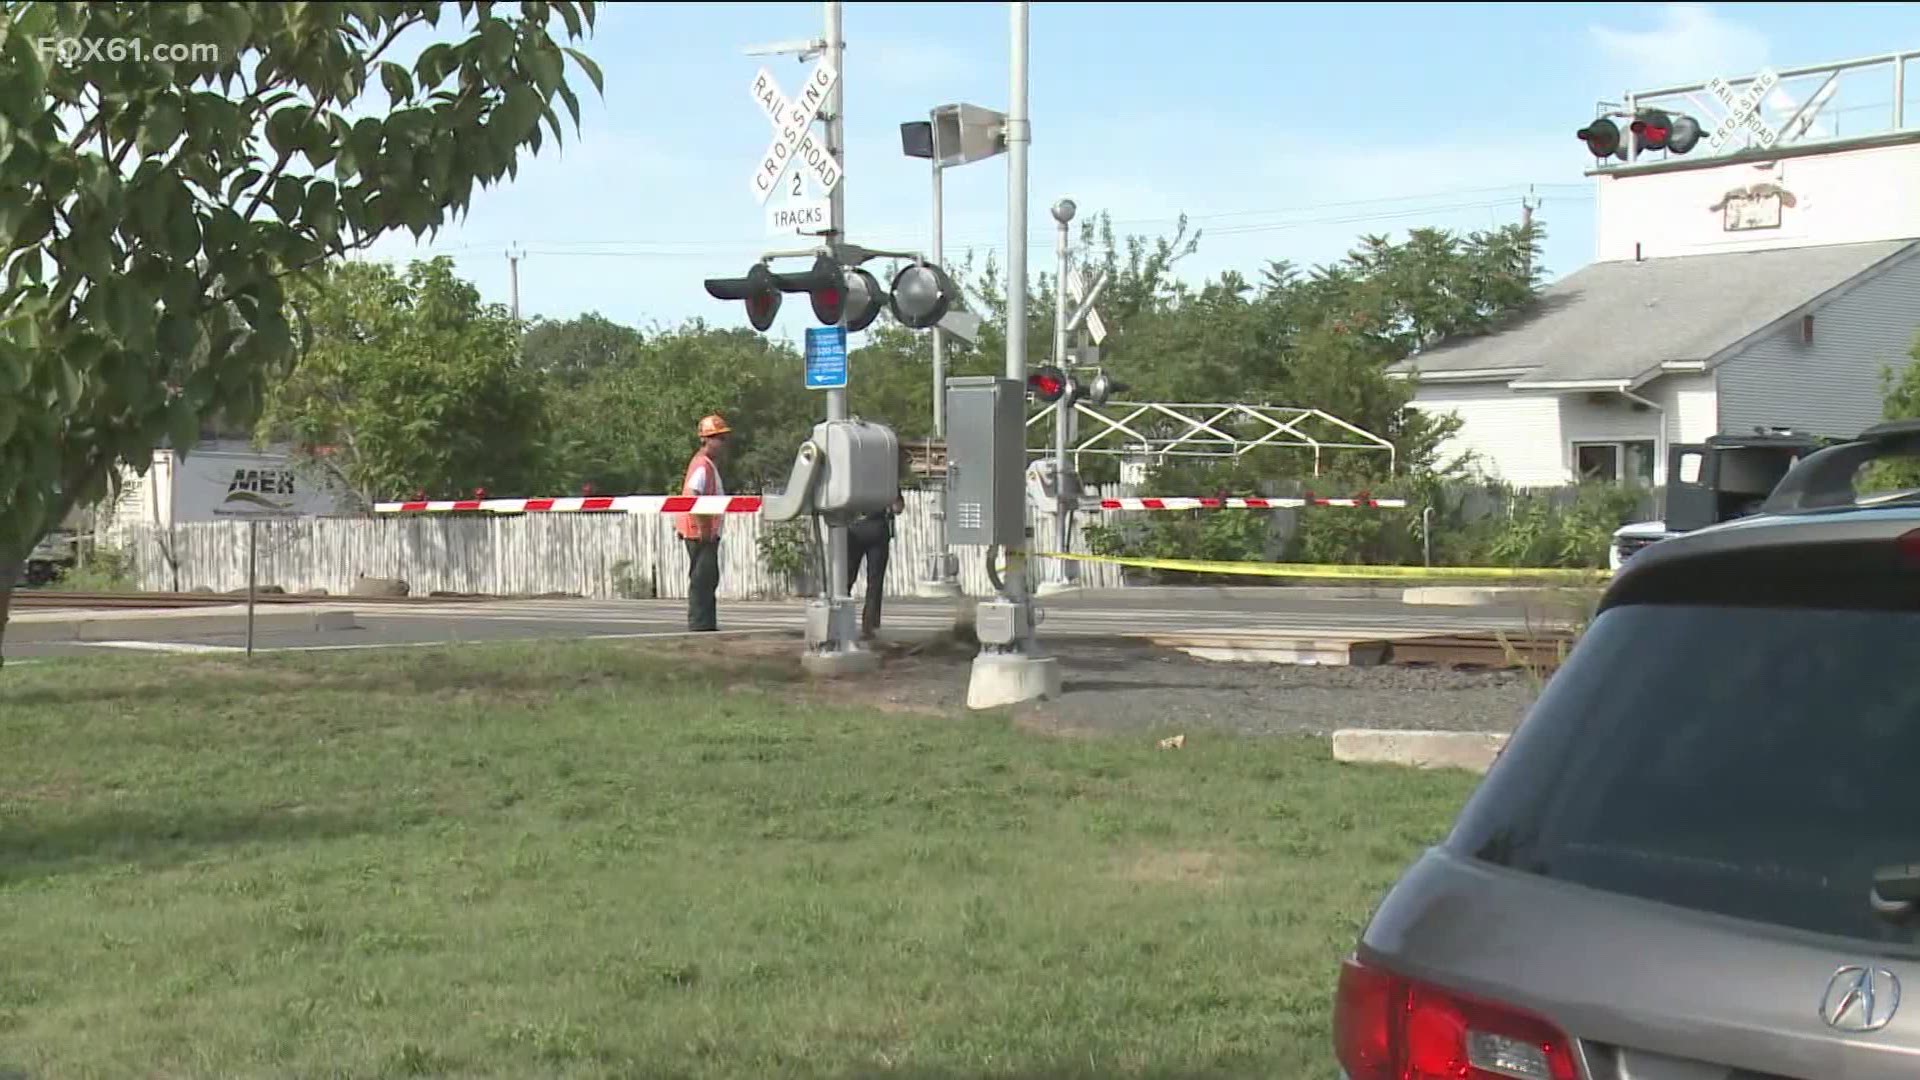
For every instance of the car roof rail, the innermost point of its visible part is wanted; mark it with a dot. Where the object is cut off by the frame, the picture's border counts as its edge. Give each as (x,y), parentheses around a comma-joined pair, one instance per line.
(1824,478)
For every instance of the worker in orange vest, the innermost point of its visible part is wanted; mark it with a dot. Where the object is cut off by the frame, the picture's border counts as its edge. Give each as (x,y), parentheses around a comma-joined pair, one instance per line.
(702,532)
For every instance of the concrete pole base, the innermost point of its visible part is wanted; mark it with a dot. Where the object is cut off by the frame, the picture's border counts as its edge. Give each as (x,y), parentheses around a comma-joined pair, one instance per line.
(840,664)
(936,590)
(1000,679)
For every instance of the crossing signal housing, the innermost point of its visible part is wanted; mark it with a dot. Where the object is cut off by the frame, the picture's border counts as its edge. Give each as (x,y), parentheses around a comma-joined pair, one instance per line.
(760,288)
(1048,383)
(921,295)
(1650,129)
(863,300)
(1602,137)
(1105,388)
(825,284)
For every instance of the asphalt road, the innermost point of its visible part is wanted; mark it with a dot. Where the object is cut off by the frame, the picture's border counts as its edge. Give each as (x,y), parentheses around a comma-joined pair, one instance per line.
(1116,613)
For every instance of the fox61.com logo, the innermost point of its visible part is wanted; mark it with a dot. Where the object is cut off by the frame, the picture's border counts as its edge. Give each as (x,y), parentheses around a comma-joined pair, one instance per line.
(81,50)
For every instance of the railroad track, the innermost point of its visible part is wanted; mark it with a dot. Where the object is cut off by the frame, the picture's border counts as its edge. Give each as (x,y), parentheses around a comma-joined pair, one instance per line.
(1543,651)
(25,599)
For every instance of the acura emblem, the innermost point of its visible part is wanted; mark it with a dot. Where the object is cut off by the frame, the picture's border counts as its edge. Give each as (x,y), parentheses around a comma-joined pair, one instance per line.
(1860,998)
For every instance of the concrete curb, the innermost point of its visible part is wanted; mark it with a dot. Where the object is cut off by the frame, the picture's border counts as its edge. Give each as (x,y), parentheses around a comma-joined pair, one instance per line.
(1470,595)
(1474,751)
(1278,649)
(193,622)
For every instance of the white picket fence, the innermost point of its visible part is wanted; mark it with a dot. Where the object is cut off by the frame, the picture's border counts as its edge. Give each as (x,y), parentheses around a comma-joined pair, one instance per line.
(578,554)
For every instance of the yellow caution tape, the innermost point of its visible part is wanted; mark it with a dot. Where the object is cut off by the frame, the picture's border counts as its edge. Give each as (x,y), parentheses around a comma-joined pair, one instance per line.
(1332,570)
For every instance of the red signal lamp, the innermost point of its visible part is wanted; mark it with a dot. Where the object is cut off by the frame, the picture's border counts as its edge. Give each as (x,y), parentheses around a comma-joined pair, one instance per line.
(760,289)
(1651,130)
(1047,383)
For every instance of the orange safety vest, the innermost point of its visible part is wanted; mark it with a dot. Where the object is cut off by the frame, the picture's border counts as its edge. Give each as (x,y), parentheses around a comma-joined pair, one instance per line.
(703,478)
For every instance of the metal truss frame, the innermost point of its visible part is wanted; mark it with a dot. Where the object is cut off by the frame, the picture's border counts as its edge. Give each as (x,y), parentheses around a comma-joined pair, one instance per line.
(1156,430)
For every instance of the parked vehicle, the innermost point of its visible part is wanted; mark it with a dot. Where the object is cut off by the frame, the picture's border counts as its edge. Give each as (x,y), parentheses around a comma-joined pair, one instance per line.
(1724,478)
(1697,857)
(50,558)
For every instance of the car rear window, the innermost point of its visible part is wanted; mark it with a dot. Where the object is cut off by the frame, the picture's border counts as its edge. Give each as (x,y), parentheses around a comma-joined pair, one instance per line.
(1754,762)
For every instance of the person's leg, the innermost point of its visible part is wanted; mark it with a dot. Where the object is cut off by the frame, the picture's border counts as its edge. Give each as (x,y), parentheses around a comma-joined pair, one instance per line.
(856,553)
(703,558)
(693,583)
(876,584)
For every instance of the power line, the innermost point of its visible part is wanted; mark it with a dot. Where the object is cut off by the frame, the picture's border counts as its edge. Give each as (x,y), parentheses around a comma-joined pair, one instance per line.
(983,245)
(905,237)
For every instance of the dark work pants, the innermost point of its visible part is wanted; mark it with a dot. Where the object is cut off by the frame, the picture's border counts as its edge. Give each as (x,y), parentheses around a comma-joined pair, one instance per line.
(703,560)
(869,539)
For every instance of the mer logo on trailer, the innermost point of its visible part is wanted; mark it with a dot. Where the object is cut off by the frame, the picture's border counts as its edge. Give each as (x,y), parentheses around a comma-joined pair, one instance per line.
(252,486)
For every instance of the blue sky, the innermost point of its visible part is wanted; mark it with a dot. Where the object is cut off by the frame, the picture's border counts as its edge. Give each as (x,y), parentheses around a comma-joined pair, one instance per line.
(1285,131)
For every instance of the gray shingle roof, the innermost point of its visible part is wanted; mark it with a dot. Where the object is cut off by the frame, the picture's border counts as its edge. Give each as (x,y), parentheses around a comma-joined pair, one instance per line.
(1583,327)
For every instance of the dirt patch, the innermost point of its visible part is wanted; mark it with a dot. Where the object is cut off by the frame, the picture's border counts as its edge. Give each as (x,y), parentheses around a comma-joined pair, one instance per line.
(1205,869)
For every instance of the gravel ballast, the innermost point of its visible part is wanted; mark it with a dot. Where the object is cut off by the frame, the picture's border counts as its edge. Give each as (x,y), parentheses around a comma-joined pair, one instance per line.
(1128,687)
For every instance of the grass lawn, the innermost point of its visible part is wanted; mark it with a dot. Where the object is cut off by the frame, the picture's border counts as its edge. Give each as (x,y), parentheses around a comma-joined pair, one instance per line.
(582,860)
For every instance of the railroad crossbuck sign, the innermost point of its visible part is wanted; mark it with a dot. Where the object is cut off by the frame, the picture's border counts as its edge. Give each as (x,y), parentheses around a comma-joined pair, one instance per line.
(794,143)
(1743,110)
(1076,292)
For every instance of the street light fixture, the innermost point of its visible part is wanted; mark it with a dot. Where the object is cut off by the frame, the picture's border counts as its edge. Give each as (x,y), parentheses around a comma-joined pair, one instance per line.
(957,134)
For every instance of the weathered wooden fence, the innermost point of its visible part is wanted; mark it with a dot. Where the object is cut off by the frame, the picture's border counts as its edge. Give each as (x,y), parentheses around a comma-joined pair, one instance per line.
(586,554)
(597,555)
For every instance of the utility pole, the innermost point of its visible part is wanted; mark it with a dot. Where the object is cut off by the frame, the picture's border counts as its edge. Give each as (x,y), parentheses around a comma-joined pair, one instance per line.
(940,580)
(1009,667)
(1063,212)
(839,603)
(513,278)
(1527,205)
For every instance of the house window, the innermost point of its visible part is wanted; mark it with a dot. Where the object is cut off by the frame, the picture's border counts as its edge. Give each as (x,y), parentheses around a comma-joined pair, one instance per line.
(1596,461)
(1625,462)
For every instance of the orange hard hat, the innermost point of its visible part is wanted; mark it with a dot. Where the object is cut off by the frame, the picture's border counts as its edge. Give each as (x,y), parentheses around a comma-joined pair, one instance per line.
(714,425)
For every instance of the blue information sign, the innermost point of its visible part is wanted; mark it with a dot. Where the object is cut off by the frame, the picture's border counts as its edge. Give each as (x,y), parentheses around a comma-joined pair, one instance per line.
(826,357)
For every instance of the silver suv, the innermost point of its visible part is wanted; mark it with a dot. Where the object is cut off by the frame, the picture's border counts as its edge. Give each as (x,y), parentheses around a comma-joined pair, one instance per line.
(1699,856)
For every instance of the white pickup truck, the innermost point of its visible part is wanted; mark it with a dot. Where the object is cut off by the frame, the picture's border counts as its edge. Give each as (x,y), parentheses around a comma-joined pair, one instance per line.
(1726,477)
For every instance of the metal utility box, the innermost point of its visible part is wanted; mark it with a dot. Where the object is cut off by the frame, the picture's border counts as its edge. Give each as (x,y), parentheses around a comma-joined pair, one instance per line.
(986,461)
(863,467)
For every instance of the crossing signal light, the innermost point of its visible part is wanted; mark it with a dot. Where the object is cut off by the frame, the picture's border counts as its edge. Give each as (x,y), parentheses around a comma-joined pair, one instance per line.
(825,284)
(1602,137)
(760,288)
(1651,130)
(1048,383)
(1656,129)
(1104,388)
(921,295)
(863,300)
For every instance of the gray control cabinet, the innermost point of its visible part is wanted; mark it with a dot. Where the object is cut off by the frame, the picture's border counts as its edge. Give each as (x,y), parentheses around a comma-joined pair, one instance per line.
(986,461)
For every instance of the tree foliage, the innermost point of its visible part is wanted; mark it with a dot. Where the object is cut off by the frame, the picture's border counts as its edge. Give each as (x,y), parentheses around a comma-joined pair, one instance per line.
(572,350)
(629,426)
(410,383)
(150,209)
(1900,390)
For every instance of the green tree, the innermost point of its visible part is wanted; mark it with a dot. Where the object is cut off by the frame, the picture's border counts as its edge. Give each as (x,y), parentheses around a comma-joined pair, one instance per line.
(151,208)
(409,383)
(1900,390)
(630,427)
(571,350)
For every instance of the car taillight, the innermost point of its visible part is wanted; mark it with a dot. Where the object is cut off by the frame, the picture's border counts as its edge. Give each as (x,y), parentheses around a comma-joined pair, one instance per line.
(1386,1027)
(1908,545)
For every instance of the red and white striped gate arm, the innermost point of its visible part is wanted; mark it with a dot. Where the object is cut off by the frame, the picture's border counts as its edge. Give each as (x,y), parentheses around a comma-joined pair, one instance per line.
(712,505)
(704,505)
(1246,504)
